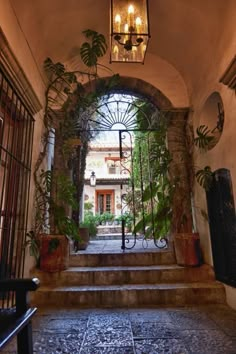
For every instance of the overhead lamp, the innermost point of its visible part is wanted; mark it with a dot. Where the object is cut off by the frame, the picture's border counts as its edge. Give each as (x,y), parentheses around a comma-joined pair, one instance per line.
(93,179)
(129,31)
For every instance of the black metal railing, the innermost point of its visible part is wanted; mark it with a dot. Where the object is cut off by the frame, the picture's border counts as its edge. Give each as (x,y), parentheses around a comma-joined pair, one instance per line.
(16,140)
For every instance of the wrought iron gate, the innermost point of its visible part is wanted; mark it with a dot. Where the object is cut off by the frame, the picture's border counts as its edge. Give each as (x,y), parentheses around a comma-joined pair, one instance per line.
(127,117)
(139,199)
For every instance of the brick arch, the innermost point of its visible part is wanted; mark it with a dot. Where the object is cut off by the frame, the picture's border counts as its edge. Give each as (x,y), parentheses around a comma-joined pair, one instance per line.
(140,87)
(143,88)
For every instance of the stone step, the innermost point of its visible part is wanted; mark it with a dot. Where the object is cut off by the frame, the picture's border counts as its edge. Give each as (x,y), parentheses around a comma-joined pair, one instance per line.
(108,237)
(126,275)
(178,294)
(141,258)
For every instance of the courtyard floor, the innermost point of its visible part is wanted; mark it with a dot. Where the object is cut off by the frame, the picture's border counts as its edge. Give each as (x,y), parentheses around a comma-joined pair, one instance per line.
(111,245)
(203,330)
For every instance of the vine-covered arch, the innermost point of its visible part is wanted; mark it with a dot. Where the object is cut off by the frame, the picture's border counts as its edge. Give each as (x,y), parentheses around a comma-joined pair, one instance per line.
(177,119)
(131,91)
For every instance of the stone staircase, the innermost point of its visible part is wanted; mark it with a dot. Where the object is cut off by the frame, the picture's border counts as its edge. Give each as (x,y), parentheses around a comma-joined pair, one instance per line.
(149,278)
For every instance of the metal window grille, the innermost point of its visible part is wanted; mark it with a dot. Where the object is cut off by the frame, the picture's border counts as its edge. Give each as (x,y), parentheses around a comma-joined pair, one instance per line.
(108,203)
(16,139)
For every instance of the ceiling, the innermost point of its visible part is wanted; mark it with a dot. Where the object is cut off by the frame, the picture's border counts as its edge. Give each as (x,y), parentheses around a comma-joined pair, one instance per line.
(186,36)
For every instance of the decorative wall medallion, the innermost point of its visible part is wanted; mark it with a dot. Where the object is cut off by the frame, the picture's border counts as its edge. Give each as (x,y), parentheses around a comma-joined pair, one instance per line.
(212,117)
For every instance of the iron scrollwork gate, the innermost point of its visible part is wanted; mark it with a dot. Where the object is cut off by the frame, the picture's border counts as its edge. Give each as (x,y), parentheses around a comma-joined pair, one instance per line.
(137,128)
(139,198)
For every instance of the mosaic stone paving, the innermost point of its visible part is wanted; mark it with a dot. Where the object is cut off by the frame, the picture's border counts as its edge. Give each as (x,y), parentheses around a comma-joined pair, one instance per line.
(196,330)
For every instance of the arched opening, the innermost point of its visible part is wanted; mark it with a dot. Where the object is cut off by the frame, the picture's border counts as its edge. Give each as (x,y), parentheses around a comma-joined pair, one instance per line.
(127,153)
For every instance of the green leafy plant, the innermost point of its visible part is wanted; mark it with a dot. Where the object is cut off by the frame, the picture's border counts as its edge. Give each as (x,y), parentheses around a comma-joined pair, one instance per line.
(203,141)
(127,218)
(67,107)
(88,206)
(153,190)
(90,221)
(53,244)
(33,242)
(96,48)
(106,216)
(58,203)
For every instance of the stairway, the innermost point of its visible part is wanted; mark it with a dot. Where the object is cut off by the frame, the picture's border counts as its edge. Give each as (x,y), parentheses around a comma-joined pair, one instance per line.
(149,278)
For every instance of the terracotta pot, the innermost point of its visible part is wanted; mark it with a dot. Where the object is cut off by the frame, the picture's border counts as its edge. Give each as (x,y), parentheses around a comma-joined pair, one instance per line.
(57,259)
(187,249)
(84,239)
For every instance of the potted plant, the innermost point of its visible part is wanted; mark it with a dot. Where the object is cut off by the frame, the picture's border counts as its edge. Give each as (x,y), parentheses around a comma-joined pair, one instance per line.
(87,229)
(54,197)
(110,218)
(50,246)
(83,241)
(182,172)
(103,219)
(128,221)
(117,220)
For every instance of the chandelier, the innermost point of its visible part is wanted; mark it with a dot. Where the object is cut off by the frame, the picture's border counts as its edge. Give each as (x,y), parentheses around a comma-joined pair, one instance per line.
(129,30)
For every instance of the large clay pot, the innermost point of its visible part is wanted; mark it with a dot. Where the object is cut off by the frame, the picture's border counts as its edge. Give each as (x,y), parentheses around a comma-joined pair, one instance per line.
(187,249)
(84,239)
(54,259)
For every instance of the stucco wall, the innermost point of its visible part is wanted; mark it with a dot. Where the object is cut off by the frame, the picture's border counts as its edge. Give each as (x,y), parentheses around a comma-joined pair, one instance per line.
(20,49)
(223,154)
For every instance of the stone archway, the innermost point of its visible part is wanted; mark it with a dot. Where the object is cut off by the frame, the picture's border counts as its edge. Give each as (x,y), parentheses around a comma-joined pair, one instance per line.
(179,148)
(140,87)
(179,143)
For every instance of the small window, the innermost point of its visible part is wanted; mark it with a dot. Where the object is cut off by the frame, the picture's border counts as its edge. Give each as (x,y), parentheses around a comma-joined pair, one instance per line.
(112,170)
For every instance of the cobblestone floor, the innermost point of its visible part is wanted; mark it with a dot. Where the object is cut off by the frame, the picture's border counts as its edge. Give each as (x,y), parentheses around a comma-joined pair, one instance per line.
(203,330)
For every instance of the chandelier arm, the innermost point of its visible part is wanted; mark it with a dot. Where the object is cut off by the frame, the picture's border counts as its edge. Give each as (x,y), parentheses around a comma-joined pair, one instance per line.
(133,45)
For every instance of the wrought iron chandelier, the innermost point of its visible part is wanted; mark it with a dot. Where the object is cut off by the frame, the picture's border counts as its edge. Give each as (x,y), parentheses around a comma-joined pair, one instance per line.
(129,30)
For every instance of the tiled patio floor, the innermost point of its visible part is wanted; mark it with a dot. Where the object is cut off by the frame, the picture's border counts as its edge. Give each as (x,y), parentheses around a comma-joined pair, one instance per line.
(197,330)
(109,245)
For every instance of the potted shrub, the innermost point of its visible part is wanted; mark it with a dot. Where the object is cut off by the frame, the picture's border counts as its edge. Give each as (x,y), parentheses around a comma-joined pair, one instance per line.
(87,229)
(103,219)
(128,221)
(83,241)
(55,194)
(110,218)
(51,247)
(117,220)
(182,172)
(106,218)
